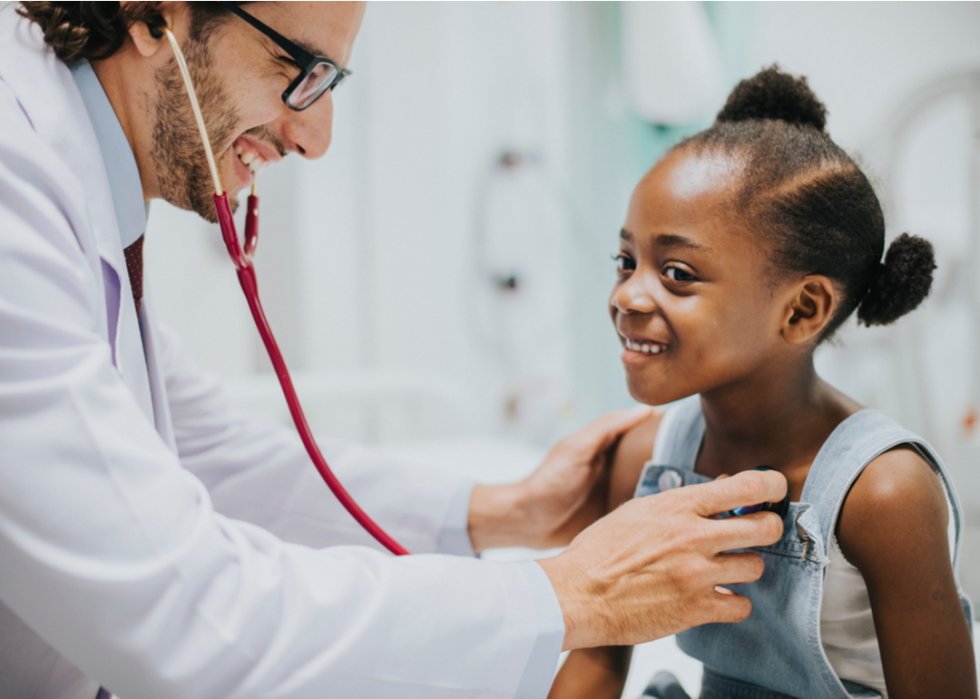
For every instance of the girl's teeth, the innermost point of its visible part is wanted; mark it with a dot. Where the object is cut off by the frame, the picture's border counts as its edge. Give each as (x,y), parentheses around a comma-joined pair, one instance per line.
(646,348)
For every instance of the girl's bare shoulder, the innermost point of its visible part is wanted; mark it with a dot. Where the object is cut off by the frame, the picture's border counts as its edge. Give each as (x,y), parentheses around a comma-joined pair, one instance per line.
(632,452)
(893,528)
(897,492)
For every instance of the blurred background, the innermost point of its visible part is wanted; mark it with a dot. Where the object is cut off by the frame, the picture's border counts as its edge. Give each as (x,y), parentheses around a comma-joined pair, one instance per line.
(438,281)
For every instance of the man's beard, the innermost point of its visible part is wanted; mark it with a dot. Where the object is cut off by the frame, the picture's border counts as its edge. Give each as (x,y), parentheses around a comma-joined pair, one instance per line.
(183,175)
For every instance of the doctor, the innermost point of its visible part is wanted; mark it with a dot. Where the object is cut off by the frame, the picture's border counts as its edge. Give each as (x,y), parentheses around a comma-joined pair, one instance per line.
(156,543)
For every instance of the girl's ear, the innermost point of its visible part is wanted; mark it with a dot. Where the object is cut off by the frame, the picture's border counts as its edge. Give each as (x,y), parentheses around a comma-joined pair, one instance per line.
(810,308)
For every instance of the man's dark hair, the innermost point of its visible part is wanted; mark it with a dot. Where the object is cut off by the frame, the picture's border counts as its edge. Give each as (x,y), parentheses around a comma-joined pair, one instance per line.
(96,30)
(811,202)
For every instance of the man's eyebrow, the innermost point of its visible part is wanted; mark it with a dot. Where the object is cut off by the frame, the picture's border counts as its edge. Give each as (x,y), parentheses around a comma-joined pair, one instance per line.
(674,240)
(310,48)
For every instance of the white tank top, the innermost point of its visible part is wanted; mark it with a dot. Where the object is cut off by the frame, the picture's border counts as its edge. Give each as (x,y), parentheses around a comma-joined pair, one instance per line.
(847,629)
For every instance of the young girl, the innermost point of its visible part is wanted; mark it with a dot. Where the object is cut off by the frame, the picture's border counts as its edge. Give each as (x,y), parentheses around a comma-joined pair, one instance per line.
(747,246)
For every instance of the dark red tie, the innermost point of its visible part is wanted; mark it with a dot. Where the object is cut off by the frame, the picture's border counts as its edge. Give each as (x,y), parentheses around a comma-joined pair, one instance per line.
(134,264)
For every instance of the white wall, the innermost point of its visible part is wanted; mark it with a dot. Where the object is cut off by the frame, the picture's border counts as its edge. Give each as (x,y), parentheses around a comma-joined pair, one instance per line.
(368,256)
(367,261)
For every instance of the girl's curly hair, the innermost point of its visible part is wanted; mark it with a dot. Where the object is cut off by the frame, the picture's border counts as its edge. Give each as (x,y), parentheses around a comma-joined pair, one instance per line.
(815,208)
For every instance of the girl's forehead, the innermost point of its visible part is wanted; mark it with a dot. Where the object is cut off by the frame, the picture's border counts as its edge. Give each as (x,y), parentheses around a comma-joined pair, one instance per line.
(686,187)
(688,175)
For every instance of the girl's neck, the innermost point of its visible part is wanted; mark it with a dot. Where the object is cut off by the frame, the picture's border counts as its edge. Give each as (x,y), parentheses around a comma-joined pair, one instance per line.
(778,420)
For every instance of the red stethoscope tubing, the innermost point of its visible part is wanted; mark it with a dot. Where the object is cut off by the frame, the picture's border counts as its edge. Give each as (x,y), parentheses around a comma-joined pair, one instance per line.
(242,257)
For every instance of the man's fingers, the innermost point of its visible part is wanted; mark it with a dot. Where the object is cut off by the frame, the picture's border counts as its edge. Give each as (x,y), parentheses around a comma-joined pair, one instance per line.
(746,488)
(601,433)
(738,568)
(727,608)
(745,531)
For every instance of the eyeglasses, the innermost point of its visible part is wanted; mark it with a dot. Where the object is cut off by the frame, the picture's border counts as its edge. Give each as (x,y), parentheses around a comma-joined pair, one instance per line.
(317,74)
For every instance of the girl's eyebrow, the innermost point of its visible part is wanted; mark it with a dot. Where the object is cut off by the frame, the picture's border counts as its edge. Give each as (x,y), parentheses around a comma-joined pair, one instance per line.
(669,240)
(674,240)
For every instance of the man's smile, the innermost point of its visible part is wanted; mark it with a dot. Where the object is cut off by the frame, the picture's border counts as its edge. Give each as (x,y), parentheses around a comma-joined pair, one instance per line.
(253,156)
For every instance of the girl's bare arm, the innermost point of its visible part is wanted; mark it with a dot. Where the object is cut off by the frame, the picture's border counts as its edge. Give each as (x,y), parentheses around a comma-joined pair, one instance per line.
(893,529)
(593,673)
(632,452)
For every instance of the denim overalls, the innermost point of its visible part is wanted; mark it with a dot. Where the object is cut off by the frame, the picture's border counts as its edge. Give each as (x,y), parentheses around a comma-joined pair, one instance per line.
(777,652)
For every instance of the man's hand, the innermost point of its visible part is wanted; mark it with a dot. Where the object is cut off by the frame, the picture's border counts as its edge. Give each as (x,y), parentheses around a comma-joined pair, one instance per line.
(650,568)
(562,497)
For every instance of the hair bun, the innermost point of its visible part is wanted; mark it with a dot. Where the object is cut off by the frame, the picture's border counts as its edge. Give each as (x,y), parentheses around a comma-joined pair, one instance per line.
(902,282)
(773,94)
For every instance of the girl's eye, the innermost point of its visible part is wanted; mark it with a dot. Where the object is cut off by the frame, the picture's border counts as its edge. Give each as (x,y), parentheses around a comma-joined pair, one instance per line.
(679,275)
(624,263)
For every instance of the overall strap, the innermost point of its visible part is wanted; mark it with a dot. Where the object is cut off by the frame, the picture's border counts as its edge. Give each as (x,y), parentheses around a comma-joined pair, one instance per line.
(679,436)
(675,450)
(854,443)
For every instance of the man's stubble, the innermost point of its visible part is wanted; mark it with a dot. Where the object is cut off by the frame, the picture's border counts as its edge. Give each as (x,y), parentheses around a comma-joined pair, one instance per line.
(178,156)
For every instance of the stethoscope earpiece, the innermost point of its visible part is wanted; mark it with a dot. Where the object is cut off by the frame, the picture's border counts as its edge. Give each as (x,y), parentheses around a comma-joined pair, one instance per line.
(155,31)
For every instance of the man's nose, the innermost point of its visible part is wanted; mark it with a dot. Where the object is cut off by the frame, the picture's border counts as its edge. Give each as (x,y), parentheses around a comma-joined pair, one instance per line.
(309,131)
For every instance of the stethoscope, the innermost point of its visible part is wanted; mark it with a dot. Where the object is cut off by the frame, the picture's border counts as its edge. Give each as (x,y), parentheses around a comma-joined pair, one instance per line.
(241,256)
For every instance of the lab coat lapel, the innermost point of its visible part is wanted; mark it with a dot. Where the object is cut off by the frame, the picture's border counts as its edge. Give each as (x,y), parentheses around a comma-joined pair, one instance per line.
(158,386)
(49,97)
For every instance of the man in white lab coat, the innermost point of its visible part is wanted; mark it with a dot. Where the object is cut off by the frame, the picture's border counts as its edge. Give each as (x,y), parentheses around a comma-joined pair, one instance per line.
(156,543)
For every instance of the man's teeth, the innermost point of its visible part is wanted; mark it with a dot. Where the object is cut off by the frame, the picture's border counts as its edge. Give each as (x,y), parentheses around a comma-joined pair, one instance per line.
(645,347)
(252,161)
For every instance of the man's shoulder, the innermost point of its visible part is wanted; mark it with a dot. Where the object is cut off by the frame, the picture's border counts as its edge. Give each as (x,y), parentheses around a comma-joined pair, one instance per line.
(40,83)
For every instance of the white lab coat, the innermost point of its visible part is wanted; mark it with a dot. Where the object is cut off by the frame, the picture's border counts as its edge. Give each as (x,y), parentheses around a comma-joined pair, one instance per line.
(153,537)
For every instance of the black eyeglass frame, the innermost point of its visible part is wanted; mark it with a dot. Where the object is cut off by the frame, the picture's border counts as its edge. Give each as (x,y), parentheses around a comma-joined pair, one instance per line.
(306,61)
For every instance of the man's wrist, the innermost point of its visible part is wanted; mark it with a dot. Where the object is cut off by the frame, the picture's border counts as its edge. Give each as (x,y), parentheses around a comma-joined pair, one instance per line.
(574,607)
(499,518)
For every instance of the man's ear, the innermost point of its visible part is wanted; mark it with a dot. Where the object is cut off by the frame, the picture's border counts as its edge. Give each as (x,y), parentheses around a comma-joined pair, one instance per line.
(811,306)
(149,39)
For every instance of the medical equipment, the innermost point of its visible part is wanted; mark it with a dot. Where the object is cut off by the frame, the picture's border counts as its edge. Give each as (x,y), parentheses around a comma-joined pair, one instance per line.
(242,255)
(671,478)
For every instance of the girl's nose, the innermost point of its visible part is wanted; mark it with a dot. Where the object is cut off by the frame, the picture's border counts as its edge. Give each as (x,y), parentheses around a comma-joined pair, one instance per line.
(633,295)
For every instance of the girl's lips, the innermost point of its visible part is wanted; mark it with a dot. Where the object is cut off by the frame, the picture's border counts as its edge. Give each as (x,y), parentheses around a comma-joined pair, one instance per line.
(643,347)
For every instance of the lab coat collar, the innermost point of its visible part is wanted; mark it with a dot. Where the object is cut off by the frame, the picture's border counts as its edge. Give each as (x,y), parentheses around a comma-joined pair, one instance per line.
(120,164)
(49,97)
(47,94)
